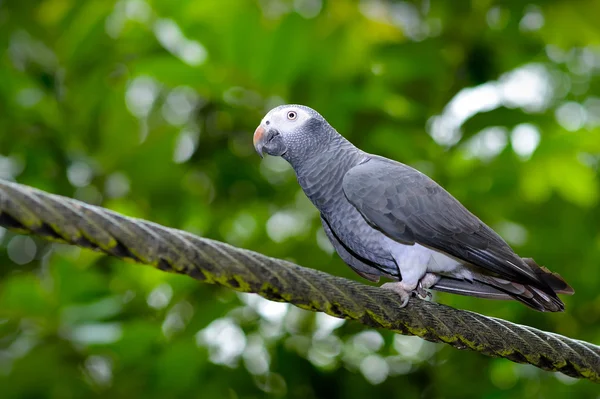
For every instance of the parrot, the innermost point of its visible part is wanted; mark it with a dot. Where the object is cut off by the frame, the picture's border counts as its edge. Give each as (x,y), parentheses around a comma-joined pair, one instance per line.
(387,219)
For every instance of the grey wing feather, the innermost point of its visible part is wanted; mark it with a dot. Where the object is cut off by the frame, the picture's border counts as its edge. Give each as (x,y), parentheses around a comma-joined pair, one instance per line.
(469,288)
(361,267)
(411,208)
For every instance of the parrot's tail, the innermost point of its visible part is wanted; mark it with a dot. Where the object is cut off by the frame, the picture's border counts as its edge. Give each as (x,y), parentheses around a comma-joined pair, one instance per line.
(554,280)
(542,297)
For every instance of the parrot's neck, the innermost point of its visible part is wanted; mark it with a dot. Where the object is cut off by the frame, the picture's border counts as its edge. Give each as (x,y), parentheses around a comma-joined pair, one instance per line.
(321,175)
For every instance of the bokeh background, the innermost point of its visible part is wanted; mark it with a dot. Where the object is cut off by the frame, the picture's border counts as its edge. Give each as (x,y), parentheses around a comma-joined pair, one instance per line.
(147,107)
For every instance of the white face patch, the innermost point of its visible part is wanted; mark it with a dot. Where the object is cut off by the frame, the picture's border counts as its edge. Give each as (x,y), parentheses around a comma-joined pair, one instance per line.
(285,119)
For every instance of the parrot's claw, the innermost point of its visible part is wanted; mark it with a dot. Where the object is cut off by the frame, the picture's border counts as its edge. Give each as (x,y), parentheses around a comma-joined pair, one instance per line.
(421,292)
(426,282)
(400,289)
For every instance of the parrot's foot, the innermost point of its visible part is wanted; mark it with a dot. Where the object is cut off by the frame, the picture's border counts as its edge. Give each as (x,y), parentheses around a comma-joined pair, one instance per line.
(401,289)
(420,290)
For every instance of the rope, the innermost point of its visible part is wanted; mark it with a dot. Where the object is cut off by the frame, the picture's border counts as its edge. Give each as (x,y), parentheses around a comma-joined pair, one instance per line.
(29,211)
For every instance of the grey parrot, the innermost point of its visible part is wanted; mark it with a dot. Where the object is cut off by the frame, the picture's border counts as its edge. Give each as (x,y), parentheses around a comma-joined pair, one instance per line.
(386,219)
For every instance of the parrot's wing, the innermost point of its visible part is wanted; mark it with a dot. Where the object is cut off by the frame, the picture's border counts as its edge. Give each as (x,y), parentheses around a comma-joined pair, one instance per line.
(363,267)
(409,207)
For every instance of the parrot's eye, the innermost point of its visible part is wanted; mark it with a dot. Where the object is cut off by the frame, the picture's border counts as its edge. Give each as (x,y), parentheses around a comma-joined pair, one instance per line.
(292,115)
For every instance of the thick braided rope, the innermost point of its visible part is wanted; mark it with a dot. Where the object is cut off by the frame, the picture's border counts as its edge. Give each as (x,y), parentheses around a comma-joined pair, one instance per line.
(30,211)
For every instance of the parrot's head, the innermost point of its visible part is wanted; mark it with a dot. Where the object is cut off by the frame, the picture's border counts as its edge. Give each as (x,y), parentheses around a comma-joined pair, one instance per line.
(292,131)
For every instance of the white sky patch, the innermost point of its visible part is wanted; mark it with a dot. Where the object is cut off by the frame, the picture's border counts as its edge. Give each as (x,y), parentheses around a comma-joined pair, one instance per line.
(21,250)
(160,297)
(404,15)
(587,159)
(398,365)
(185,146)
(326,324)
(583,60)
(179,105)
(79,174)
(138,10)
(375,10)
(592,109)
(170,36)
(308,8)
(99,370)
(242,228)
(272,102)
(23,48)
(177,318)
(295,322)
(414,348)
(140,96)
(193,53)
(96,333)
(325,350)
(275,169)
(268,310)
(445,129)
(286,224)
(276,164)
(225,341)
(528,87)
(470,101)
(488,143)
(375,369)
(117,185)
(323,242)
(368,341)
(408,18)
(134,10)
(514,233)
(272,311)
(524,139)
(29,97)
(532,20)
(571,116)
(22,345)
(407,347)
(565,379)
(555,53)
(10,167)
(256,357)
(497,17)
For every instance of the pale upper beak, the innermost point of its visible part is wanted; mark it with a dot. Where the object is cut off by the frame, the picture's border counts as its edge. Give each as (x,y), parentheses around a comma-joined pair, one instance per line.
(259,139)
(269,142)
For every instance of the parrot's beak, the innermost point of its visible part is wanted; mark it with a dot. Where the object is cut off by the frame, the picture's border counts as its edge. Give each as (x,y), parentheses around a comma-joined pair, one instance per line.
(269,141)
(259,140)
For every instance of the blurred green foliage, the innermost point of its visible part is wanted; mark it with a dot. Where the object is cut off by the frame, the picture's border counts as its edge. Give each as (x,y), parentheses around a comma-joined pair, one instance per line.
(147,107)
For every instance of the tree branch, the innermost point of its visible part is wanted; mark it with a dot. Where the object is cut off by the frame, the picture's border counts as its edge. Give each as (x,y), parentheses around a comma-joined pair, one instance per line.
(30,211)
